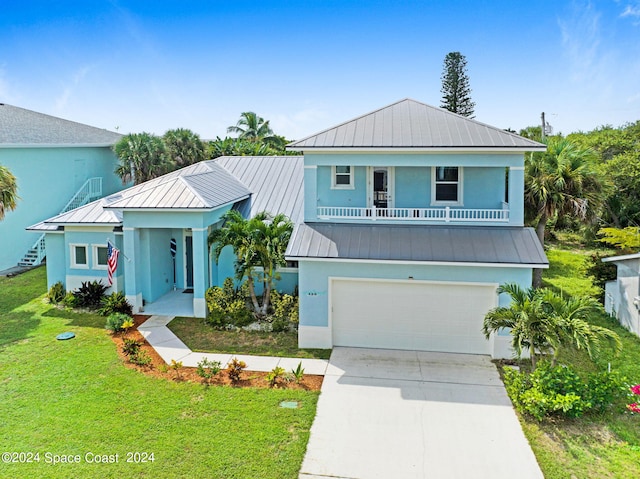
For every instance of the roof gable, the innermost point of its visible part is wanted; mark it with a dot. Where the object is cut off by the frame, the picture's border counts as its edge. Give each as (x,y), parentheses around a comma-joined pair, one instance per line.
(20,128)
(411,124)
(204,185)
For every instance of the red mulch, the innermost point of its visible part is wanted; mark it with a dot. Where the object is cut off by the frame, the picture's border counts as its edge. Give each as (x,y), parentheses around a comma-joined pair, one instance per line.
(159,369)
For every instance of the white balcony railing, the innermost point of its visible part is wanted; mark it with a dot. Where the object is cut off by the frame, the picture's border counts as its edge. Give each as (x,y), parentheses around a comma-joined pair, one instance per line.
(446,214)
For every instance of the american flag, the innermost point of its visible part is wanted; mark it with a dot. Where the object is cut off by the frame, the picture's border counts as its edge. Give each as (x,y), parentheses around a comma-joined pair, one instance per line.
(112,261)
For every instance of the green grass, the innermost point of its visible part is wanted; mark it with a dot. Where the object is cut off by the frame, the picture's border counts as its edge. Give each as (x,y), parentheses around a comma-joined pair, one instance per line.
(76,397)
(602,446)
(201,337)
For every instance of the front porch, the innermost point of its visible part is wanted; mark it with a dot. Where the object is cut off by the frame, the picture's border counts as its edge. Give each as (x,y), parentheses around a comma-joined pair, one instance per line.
(173,303)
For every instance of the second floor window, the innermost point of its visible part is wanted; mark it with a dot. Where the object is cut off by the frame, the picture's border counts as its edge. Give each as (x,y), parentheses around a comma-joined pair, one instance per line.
(447,185)
(342,177)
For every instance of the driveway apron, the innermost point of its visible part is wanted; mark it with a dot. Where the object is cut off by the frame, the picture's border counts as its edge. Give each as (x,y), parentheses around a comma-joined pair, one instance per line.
(412,414)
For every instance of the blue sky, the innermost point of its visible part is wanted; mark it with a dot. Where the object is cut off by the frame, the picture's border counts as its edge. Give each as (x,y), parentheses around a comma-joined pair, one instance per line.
(307,65)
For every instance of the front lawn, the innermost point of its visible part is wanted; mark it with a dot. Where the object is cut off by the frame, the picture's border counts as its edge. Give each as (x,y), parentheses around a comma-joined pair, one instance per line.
(76,399)
(201,337)
(602,446)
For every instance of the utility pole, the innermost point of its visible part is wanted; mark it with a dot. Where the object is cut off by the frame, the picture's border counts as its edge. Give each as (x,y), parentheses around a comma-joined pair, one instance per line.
(544,126)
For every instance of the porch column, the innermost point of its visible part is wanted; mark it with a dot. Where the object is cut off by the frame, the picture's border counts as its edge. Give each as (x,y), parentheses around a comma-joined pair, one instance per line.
(131,251)
(200,271)
(516,195)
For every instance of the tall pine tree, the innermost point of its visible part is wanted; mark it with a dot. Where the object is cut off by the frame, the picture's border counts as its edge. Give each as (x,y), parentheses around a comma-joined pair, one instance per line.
(456,93)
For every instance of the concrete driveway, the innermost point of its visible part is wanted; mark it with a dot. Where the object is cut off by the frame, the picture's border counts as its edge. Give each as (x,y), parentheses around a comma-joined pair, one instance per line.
(411,414)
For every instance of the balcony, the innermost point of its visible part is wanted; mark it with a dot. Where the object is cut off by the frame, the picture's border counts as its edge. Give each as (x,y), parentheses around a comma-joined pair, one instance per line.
(440,215)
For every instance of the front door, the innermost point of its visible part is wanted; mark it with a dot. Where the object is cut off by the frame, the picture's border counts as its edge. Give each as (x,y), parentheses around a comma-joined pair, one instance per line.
(188,251)
(381,187)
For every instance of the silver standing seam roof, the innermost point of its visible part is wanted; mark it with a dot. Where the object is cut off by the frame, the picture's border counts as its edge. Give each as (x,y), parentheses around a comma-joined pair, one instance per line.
(415,125)
(23,128)
(269,183)
(497,245)
(276,183)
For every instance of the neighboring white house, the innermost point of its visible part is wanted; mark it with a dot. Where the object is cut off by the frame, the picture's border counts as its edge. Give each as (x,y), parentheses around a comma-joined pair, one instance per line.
(622,296)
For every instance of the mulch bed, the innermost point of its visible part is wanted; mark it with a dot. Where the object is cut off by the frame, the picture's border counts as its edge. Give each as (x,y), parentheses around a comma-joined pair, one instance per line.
(158,368)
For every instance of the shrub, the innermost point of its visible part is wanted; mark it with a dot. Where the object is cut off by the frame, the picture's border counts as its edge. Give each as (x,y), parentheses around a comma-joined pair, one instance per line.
(56,293)
(70,300)
(176,366)
(275,374)
(227,305)
(130,347)
(115,303)
(141,358)
(553,390)
(116,321)
(234,369)
(90,294)
(208,369)
(285,312)
(298,372)
(601,273)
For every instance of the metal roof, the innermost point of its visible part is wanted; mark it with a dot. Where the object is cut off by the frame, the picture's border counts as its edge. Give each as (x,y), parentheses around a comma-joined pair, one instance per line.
(205,185)
(269,183)
(276,183)
(414,125)
(20,128)
(426,243)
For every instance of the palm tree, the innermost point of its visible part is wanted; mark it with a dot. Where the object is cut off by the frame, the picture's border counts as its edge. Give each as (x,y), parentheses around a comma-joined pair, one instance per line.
(543,321)
(8,191)
(572,328)
(184,147)
(252,127)
(259,242)
(531,328)
(562,181)
(142,158)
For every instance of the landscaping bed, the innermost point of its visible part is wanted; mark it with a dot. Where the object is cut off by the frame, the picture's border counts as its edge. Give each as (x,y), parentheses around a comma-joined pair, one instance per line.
(159,369)
(201,337)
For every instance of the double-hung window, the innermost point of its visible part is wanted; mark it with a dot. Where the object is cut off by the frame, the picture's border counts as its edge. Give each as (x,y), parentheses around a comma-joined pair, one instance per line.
(446,185)
(342,177)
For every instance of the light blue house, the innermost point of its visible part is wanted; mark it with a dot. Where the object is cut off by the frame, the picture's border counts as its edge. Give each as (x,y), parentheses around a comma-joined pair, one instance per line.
(407,220)
(59,165)
(412,218)
(183,206)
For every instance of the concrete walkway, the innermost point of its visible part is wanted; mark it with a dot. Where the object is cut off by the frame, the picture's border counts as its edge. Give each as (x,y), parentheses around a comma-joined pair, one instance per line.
(169,347)
(409,414)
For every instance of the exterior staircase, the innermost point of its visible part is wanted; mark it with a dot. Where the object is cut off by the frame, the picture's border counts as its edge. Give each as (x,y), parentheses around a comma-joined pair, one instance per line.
(90,191)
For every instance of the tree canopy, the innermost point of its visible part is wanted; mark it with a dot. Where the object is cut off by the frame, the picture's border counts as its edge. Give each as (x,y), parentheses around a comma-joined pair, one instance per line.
(8,191)
(456,92)
(562,181)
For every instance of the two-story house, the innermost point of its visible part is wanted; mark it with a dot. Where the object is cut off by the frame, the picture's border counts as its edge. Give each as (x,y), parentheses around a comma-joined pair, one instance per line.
(59,165)
(407,220)
(412,218)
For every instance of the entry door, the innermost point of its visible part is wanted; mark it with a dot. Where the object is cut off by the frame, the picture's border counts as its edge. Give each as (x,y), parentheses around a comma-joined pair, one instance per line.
(381,187)
(188,251)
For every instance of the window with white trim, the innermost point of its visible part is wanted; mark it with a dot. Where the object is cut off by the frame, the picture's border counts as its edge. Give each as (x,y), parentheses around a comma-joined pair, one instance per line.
(79,256)
(342,177)
(100,256)
(446,185)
